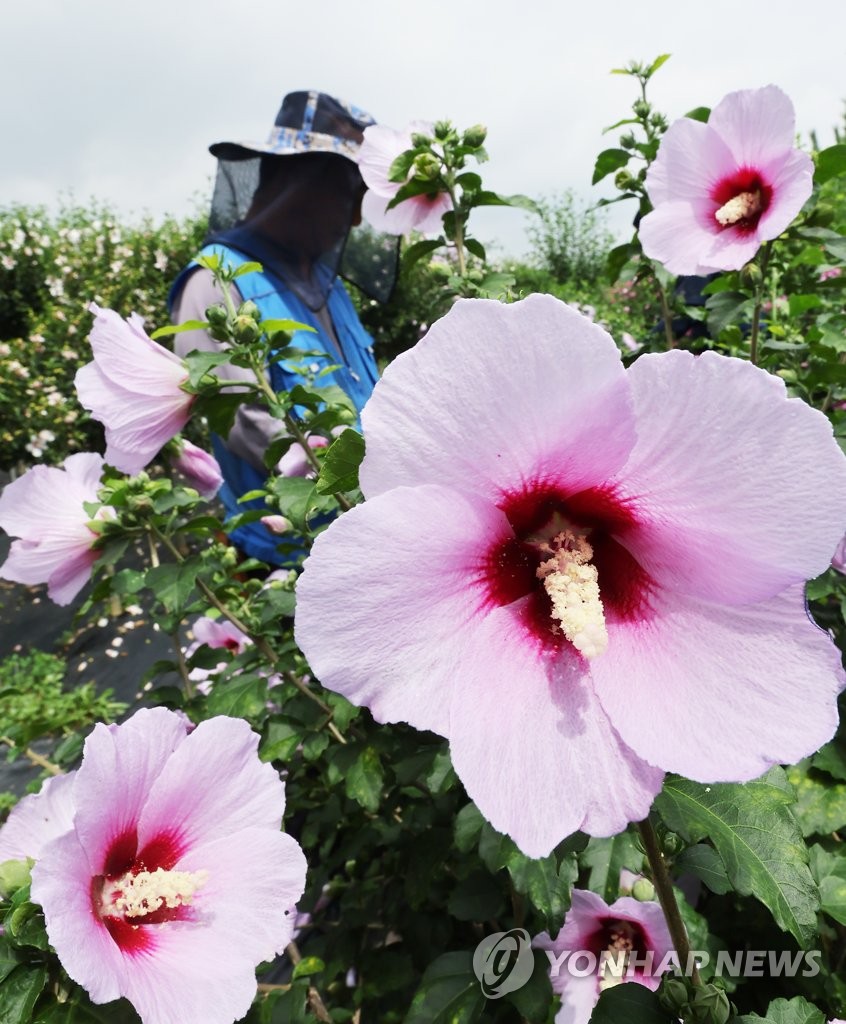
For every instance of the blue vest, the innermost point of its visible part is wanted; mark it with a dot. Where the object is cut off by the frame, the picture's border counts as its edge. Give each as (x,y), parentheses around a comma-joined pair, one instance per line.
(356,377)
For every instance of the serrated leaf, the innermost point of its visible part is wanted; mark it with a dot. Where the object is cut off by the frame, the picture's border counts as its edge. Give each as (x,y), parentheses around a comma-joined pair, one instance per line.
(704,862)
(608,161)
(758,838)
(173,582)
(787,1011)
(606,858)
(820,803)
(449,992)
(632,1003)
(238,698)
(339,467)
(830,163)
(200,363)
(365,778)
(19,992)
(829,871)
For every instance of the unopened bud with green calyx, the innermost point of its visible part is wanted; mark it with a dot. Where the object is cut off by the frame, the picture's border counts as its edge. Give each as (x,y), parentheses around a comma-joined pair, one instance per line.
(217,315)
(641,108)
(628,141)
(751,275)
(643,890)
(475,136)
(249,308)
(420,140)
(671,844)
(674,993)
(710,1005)
(442,129)
(623,180)
(427,167)
(246,330)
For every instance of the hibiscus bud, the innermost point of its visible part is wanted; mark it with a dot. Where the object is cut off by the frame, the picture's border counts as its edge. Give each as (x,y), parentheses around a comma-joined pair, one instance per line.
(246,330)
(249,308)
(671,844)
(750,275)
(623,180)
(659,121)
(217,315)
(200,469)
(710,1005)
(442,129)
(674,993)
(426,166)
(229,557)
(643,890)
(475,136)
(420,140)
(14,875)
(641,108)
(628,141)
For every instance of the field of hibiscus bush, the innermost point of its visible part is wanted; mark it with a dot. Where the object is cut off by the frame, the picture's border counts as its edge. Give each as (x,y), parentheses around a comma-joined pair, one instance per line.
(541,721)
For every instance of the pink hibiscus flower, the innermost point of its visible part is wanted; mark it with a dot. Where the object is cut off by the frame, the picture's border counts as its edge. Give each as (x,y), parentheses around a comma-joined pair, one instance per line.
(627,941)
(133,388)
(164,877)
(581,575)
(723,188)
(222,635)
(200,469)
(380,148)
(45,508)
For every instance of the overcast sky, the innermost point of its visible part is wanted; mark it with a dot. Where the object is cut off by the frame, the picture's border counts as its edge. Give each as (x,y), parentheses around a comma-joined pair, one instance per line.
(120,100)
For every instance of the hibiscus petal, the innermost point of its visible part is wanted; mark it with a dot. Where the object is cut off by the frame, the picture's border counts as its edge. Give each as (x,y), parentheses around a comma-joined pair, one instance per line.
(720,478)
(125,353)
(674,234)
(692,159)
(48,497)
(575,773)
(721,694)
(792,184)
(542,386)
(38,819)
(757,125)
(211,785)
(415,551)
(119,766)
(61,884)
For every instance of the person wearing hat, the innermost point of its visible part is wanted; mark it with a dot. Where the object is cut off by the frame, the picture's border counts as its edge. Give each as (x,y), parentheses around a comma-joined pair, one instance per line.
(289,204)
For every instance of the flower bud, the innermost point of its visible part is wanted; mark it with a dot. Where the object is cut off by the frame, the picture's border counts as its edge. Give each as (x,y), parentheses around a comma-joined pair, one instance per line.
(628,141)
(623,180)
(246,330)
(710,1005)
(750,275)
(674,993)
(249,308)
(643,890)
(200,469)
(420,140)
(442,129)
(229,557)
(475,136)
(426,166)
(14,875)
(641,108)
(671,844)
(217,315)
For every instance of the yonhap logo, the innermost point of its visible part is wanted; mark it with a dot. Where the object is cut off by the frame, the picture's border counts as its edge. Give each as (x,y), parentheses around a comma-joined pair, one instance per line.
(503,962)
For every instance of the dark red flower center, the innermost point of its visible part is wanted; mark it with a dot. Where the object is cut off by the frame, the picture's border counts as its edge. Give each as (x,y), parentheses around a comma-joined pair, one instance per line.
(140,887)
(539,514)
(742,198)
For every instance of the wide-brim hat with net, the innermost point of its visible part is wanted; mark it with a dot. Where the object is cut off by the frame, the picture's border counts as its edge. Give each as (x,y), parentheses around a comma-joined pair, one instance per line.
(308,122)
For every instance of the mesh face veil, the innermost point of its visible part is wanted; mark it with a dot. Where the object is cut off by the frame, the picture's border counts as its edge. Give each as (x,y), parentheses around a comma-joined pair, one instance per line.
(292,203)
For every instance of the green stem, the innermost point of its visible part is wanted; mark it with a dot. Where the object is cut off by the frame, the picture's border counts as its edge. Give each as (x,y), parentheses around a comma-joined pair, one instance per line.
(666,315)
(759,302)
(666,894)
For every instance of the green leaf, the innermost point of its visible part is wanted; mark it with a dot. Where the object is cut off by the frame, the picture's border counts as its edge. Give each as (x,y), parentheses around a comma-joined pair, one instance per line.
(726,308)
(10,958)
(832,758)
(606,858)
(416,252)
(820,803)
(608,161)
(620,124)
(339,467)
(173,582)
(398,171)
(618,258)
(476,247)
(699,114)
(548,885)
(657,63)
(758,838)
(449,992)
(19,992)
(704,862)
(534,999)
(365,778)
(288,326)
(200,363)
(831,162)
(468,827)
(787,1011)
(631,1003)
(186,325)
(801,303)
(830,874)
(247,268)
(239,697)
(308,966)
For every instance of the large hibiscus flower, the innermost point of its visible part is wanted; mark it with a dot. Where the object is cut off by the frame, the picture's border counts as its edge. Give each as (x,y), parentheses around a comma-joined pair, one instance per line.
(581,575)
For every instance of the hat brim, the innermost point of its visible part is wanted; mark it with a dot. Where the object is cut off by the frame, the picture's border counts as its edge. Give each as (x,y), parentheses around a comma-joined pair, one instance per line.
(288,142)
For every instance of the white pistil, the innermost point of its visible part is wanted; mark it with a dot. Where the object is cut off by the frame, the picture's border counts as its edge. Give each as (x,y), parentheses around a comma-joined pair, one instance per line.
(143,893)
(572,583)
(743,206)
